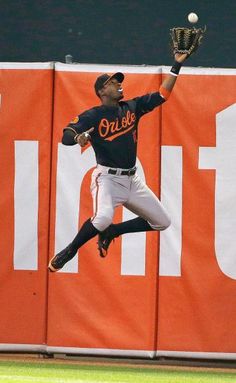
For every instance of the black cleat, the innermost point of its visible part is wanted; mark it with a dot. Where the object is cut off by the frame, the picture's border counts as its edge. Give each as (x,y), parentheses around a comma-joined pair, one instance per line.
(104,240)
(60,259)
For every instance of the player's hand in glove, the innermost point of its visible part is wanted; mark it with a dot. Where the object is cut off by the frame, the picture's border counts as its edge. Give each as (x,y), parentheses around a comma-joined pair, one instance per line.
(83,138)
(185,41)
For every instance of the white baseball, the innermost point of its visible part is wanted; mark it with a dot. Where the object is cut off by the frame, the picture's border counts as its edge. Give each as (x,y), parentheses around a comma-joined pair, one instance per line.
(192,18)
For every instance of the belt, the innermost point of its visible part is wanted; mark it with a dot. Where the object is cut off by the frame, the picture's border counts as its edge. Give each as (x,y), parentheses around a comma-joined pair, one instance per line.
(128,172)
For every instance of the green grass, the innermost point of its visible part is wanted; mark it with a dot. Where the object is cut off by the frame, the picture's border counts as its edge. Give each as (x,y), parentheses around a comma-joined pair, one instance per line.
(39,372)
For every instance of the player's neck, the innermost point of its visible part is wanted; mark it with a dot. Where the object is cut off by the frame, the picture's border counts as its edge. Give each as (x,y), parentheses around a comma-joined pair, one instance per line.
(110,102)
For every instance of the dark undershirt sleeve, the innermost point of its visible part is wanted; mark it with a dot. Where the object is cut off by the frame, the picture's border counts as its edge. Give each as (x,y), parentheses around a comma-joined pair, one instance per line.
(68,137)
(148,102)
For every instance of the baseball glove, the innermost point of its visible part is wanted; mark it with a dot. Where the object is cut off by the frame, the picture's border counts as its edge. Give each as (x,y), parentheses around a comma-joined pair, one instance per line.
(186,40)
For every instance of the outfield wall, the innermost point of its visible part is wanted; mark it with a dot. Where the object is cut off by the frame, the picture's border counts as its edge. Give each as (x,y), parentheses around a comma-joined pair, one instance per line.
(154,295)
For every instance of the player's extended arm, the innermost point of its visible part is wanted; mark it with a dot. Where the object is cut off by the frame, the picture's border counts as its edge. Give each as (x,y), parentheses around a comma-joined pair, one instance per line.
(170,80)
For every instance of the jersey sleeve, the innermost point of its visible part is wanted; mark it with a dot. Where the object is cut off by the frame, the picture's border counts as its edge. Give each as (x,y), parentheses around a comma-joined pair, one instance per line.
(148,102)
(78,125)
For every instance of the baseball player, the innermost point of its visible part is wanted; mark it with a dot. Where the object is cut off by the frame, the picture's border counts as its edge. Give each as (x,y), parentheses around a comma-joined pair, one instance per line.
(112,129)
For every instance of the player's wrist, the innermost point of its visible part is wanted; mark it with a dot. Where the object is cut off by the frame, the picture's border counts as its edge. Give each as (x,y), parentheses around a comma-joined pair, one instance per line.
(175,69)
(76,138)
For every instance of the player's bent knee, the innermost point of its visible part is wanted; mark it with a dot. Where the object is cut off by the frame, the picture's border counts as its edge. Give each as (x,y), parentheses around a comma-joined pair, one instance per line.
(160,226)
(101,222)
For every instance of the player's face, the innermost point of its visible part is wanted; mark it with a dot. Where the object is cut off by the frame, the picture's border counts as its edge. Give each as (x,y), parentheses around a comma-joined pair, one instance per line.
(113,90)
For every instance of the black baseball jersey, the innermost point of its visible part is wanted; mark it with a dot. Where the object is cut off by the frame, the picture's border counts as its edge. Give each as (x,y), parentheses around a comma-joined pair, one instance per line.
(115,134)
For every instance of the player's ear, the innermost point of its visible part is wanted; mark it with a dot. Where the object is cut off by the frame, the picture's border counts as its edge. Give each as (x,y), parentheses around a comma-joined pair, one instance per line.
(101,92)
